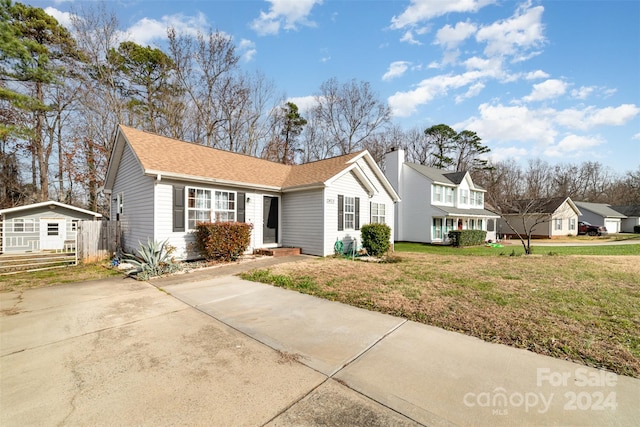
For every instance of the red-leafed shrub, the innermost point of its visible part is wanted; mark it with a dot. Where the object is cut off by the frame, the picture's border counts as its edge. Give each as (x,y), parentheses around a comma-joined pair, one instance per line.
(223,241)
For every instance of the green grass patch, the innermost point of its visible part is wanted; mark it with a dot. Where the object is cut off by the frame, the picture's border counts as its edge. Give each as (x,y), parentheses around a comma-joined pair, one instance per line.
(515,249)
(57,276)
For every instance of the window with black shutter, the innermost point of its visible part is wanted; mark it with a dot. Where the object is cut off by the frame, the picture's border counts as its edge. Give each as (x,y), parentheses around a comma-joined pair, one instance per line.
(340,212)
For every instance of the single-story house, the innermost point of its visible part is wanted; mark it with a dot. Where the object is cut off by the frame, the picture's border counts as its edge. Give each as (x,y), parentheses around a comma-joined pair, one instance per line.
(544,218)
(435,201)
(632,217)
(161,187)
(601,214)
(41,226)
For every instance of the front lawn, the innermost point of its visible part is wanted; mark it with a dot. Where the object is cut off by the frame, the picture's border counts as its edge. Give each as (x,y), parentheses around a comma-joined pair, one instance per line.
(514,248)
(580,308)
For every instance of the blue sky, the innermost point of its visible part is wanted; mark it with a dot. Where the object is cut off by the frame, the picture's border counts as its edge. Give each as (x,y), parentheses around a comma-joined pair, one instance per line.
(556,80)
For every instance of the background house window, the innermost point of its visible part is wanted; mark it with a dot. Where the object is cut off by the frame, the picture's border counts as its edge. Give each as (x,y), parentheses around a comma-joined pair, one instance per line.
(464,197)
(378,213)
(437,193)
(448,194)
(558,223)
(572,223)
(21,225)
(437,228)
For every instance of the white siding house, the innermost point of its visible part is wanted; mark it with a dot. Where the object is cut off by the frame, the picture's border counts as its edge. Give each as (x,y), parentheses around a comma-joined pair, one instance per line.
(435,201)
(40,226)
(160,187)
(631,219)
(541,218)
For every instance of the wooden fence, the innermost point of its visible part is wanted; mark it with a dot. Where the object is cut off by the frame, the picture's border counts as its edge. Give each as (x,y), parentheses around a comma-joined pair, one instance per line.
(97,239)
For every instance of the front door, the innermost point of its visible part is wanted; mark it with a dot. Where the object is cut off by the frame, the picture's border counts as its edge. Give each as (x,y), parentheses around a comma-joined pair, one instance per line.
(53,233)
(270,220)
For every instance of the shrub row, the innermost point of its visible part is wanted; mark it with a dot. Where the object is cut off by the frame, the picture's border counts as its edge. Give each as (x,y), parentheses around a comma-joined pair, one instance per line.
(467,237)
(223,241)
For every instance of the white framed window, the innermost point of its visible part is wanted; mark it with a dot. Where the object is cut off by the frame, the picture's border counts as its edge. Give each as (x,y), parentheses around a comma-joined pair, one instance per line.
(464,197)
(378,213)
(437,193)
(437,228)
(479,199)
(23,225)
(349,212)
(225,206)
(448,226)
(208,205)
(479,224)
(558,224)
(572,223)
(448,195)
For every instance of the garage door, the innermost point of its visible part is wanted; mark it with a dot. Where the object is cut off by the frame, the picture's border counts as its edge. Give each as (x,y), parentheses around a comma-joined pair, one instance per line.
(613,226)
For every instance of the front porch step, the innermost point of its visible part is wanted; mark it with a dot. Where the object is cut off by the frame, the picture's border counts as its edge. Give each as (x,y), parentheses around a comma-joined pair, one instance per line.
(275,252)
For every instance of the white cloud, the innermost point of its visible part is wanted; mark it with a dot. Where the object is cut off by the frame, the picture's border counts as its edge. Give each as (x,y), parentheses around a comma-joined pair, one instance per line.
(636,136)
(535,75)
(548,89)
(146,30)
(247,49)
(583,92)
(512,36)
(304,103)
(503,153)
(573,146)
(63,18)
(512,123)
(286,14)
(474,90)
(405,103)
(396,69)
(590,117)
(408,38)
(450,37)
(424,10)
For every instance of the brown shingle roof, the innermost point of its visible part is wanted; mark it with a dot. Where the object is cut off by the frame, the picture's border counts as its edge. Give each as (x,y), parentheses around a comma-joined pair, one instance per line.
(170,156)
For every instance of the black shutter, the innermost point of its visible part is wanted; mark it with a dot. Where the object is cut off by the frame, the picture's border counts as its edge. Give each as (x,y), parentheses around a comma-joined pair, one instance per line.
(340,213)
(178,208)
(240,207)
(357,213)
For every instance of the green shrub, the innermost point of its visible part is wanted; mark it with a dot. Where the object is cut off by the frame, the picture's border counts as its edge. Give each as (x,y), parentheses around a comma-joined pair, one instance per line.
(223,241)
(467,237)
(153,259)
(636,229)
(376,238)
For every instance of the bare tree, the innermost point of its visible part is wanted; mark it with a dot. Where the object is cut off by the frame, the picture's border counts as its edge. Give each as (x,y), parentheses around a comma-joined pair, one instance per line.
(351,112)
(204,68)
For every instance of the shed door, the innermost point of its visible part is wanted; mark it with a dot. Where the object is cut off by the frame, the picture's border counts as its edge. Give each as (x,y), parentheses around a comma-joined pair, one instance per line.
(53,233)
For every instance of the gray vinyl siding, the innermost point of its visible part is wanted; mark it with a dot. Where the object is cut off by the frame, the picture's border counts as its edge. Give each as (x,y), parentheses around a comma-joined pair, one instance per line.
(301,219)
(137,219)
(30,241)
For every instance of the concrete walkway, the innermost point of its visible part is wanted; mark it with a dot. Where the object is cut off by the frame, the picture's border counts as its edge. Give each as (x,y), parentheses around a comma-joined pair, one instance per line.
(212,349)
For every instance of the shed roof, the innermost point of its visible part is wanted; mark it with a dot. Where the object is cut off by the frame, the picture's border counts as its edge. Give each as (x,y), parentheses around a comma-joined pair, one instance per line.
(51,203)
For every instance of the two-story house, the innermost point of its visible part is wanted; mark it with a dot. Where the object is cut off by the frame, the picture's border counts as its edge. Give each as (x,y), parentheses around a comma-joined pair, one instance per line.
(435,201)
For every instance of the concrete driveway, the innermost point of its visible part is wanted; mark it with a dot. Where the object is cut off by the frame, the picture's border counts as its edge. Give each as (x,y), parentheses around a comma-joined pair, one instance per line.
(211,349)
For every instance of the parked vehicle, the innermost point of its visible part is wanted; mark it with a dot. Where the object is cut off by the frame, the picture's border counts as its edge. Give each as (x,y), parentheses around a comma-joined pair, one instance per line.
(592,230)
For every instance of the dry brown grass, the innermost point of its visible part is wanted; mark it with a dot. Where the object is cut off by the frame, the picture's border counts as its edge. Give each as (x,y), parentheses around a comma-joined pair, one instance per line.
(580,308)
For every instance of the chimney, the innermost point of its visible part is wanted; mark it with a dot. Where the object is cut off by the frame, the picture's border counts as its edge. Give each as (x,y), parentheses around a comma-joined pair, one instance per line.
(393,161)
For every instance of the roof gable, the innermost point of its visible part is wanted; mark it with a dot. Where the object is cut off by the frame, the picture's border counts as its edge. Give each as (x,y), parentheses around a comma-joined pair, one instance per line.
(542,205)
(602,209)
(628,210)
(50,203)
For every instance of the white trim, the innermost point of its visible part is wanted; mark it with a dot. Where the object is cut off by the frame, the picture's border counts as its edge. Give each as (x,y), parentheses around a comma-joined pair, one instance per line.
(48,203)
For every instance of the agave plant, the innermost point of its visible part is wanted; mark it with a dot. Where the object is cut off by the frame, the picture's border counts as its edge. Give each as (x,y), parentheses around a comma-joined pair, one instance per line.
(153,259)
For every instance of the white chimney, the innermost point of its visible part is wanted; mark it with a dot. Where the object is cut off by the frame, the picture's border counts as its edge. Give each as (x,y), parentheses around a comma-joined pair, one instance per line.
(393,162)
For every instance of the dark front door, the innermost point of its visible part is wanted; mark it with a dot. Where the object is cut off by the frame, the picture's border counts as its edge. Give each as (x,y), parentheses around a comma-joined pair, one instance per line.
(270,223)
